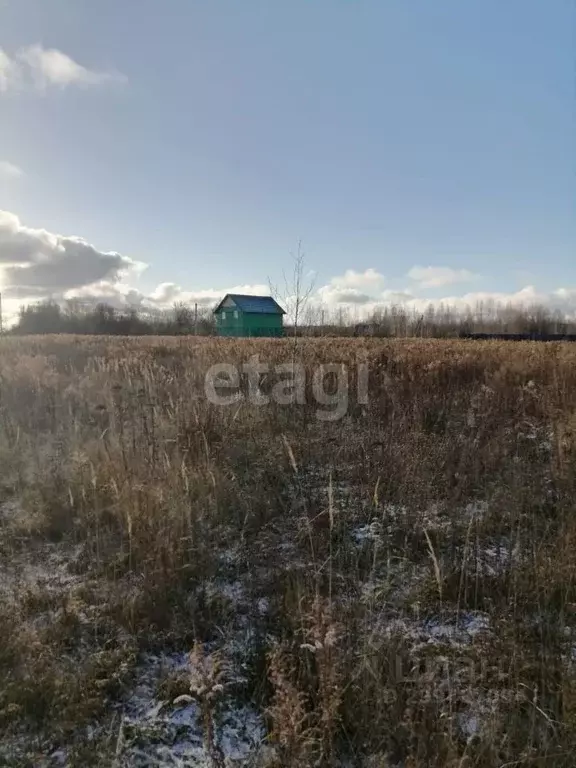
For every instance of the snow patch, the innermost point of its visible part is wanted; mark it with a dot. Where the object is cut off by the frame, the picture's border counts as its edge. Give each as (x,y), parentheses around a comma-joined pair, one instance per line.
(156,732)
(460,630)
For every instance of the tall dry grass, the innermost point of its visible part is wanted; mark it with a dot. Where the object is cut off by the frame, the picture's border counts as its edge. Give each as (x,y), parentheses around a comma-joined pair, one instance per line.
(377,542)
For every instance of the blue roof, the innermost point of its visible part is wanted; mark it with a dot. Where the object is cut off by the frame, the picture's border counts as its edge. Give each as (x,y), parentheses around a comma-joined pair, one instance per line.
(263,305)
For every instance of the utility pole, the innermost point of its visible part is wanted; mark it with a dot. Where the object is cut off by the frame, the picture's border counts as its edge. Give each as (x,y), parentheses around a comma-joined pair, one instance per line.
(195,318)
(1,323)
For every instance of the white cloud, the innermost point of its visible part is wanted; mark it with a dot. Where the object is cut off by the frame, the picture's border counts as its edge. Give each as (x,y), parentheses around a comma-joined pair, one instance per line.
(370,278)
(329,294)
(166,294)
(10,171)
(565,294)
(437,277)
(117,294)
(352,288)
(35,262)
(40,68)
(8,73)
(397,297)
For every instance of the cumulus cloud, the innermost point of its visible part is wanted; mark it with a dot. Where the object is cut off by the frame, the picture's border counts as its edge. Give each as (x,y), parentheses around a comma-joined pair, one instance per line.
(353,288)
(329,294)
(8,71)
(9,170)
(163,297)
(40,68)
(397,297)
(35,262)
(116,294)
(366,280)
(437,277)
(167,294)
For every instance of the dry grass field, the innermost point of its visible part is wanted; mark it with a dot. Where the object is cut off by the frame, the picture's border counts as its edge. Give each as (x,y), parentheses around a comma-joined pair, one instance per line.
(184,583)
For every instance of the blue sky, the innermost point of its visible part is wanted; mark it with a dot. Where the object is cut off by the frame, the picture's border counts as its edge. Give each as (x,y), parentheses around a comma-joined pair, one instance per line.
(430,143)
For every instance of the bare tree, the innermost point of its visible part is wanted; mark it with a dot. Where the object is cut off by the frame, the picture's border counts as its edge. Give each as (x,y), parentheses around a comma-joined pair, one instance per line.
(297,289)
(183,317)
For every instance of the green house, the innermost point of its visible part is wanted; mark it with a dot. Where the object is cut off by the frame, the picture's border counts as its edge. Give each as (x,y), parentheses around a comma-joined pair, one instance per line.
(240,315)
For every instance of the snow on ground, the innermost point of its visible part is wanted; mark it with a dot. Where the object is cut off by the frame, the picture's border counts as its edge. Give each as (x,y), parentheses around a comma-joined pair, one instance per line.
(502,555)
(48,571)
(9,511)
(455,630)
(234,591)
(42,568)
(156,731)
(435,517)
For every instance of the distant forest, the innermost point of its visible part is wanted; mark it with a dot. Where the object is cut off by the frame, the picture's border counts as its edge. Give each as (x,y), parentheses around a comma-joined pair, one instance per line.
(435,322)
(51,317)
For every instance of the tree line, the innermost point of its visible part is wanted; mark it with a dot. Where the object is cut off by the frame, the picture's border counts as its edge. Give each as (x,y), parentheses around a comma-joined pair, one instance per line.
(437,321)
(51,317)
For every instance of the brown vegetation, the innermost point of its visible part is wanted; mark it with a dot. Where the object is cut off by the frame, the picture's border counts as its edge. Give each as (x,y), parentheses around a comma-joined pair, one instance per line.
(396,588)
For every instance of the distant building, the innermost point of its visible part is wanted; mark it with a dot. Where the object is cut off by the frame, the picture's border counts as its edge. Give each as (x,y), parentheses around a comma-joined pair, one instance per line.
(240,315)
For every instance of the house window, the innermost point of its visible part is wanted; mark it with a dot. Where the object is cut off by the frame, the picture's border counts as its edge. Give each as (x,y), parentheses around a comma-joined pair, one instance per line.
(223,315)
(235,314)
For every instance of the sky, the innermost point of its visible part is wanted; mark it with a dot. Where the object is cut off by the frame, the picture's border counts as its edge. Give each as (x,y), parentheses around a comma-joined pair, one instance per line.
(152,152)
